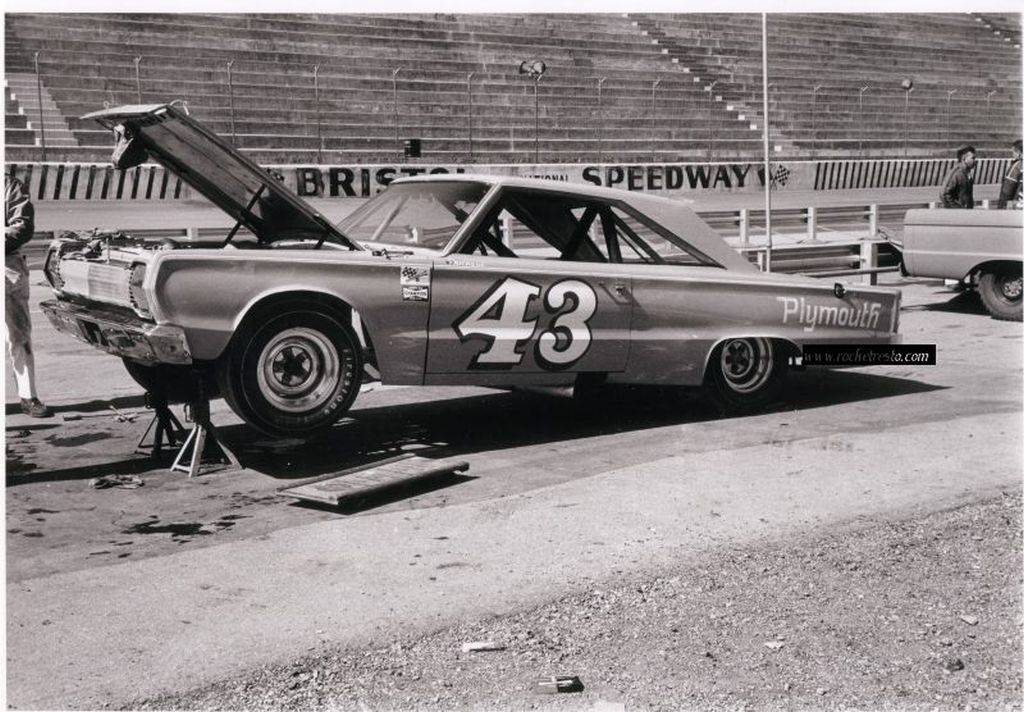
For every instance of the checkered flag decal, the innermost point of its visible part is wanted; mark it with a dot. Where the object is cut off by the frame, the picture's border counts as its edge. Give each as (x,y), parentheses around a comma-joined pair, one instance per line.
(780,176)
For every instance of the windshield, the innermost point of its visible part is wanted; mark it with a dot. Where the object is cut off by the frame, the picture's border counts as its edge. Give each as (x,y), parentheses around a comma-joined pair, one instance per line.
(424,215)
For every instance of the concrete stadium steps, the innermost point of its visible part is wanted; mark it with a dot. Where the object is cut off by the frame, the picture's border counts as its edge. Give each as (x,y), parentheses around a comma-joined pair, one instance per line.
(359,62)
(1006,27)
(501,49)
(523,153)
(240,29)
(379,88)
(24,90)
(842,53)
(709,72)
(86,60)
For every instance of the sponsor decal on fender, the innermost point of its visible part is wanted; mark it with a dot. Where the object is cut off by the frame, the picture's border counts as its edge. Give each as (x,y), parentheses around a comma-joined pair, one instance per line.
(415,283)
(810,316)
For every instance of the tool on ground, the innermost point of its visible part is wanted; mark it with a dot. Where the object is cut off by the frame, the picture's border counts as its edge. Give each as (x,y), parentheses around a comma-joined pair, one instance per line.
(123,417)
(121,481)
(553,685)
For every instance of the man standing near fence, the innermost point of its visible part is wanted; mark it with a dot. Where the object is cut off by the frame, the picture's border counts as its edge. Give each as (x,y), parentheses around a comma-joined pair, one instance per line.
(959,189)
(1009,191)
(20,224)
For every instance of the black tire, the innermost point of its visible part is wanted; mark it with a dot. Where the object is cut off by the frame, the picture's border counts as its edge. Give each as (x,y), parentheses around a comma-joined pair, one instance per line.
(1000,292)
(590,389)
(292,372)
(744,375)
(177,384)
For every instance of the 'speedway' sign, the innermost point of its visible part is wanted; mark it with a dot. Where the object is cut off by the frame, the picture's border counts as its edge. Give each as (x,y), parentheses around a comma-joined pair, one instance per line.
(365,181)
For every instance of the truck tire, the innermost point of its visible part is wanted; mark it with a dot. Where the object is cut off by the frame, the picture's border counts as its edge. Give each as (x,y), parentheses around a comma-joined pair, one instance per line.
(294,372)
(1000,292)
(177,384)
(744,375)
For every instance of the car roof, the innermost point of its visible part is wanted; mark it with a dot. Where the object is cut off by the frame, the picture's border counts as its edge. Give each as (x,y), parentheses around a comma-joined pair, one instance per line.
(586,189)
(676,215)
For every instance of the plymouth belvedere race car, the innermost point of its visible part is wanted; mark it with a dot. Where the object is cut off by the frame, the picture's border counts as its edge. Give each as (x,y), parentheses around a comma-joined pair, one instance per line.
(969,245)
(438,280)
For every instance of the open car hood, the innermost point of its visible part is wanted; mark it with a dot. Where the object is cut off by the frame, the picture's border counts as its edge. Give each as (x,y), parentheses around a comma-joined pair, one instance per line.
(237,185)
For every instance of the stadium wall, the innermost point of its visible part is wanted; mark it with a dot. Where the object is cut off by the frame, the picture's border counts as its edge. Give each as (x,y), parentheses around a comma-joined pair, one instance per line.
(63,182)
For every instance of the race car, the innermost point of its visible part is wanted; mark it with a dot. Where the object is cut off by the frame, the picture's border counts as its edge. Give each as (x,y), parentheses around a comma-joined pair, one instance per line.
(439,280)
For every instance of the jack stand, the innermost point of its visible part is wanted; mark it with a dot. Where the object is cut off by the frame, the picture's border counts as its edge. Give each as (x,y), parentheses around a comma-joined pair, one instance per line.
(167,429)
(201,446)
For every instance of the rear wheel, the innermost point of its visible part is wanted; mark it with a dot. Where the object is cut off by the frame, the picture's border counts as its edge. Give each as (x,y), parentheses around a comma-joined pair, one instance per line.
(745,374)
(1000,292)
(293,373)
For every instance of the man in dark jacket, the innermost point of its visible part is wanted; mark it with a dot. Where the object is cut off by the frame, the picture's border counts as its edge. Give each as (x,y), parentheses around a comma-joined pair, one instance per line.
(1009,191)
(19,223)
(959,189)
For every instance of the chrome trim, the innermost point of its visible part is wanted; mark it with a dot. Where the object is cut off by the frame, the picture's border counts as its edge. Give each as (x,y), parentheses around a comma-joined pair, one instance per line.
(118,333)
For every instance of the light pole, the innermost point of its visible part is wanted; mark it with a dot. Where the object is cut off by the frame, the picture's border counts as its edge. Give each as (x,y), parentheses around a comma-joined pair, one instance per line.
(949,99)
(710,89)
(600,122)
(39,99)
(316,99)
(394,102)
(469,105)
(860,134)
(231,100)
(654,85)
(536,119)
(535,70)
(814,118)
(767,153)
(138,80)
(908,86)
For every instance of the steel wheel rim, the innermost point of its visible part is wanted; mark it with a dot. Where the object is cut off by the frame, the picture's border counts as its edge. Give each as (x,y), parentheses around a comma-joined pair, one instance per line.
(746,364)
(1010,288)
(298,370)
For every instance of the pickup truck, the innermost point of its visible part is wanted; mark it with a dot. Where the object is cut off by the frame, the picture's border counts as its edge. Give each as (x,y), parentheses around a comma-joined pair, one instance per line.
(986,246)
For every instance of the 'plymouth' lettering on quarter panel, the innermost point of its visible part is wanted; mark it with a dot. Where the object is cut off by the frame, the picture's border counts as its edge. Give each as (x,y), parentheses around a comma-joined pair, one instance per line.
(865,316)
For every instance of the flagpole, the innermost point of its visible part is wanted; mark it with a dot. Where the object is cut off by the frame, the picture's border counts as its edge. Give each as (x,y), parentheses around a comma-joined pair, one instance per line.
(767,155)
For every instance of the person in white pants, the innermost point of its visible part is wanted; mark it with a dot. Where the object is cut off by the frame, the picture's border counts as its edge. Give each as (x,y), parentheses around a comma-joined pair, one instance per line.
(20,224)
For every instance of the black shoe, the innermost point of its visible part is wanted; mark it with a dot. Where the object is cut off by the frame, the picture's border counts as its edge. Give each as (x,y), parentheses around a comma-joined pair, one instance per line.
(35,409)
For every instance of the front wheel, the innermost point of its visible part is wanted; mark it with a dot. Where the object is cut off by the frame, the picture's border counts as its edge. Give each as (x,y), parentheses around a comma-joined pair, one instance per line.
(1001,293)
(294,373)
(745,374)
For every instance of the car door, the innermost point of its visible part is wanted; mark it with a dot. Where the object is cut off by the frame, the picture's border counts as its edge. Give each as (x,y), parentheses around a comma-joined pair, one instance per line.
(519,304)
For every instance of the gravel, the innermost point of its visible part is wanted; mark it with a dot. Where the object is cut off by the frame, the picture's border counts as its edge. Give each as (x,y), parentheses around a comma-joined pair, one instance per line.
(920,613)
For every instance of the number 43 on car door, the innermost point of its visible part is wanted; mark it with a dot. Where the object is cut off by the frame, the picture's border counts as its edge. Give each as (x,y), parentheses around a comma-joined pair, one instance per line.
(528,323)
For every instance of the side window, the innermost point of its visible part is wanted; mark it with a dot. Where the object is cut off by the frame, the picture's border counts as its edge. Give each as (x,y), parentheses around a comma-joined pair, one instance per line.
(524,241)
(541,225)
(634,240)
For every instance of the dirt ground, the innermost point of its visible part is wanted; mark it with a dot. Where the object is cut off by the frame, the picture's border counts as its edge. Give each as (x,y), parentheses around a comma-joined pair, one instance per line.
(922,612)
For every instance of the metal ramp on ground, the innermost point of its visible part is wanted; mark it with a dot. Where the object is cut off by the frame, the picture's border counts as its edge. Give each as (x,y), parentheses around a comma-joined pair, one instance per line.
(370,479)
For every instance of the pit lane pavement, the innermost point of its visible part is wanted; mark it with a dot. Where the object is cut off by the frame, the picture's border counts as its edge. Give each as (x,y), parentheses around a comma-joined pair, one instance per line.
(557,499)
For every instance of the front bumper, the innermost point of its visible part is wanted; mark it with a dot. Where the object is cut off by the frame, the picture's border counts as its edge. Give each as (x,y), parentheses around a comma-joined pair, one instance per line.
(119,333)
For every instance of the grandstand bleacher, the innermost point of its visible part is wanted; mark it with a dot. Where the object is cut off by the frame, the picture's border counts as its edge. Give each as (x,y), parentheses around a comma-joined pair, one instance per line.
(637,88)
